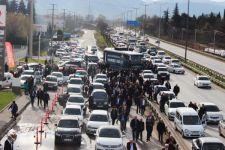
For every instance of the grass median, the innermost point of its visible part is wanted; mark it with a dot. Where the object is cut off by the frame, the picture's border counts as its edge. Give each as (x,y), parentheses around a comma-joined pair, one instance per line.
(100,40)
(6,97)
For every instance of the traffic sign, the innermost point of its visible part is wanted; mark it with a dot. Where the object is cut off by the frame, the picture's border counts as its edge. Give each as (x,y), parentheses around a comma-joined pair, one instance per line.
(133,23)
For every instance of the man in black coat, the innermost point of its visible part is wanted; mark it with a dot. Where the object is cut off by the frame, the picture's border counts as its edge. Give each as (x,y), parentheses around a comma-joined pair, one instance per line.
(131,145)
(134,127)
(141,127)
(149,126)
(114,115)
(46,98)
(176,89)
(161,128)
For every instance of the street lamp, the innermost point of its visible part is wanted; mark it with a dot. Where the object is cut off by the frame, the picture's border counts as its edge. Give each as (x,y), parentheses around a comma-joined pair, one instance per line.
(187,31)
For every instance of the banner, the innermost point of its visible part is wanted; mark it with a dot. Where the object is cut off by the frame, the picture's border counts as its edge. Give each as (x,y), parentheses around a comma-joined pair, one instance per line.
(10,55)
(2,15)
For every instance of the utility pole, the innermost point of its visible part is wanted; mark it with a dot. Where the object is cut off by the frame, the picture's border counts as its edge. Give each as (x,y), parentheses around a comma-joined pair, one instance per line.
(196,35)
(187,32)
(52,32)
(30,50)
(146,5)
(214,40)
(159,25)
(74,19)
(64,22)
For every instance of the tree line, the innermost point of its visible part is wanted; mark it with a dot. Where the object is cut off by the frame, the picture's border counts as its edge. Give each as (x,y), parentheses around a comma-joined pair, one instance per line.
(202,28)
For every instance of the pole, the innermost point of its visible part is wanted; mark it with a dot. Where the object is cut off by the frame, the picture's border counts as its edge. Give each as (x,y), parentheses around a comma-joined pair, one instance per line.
(30,52)
(187,31)
(195,35)
(145,19)
(39,46)
(52,32)
(214,41)
(74,18)
(159,24)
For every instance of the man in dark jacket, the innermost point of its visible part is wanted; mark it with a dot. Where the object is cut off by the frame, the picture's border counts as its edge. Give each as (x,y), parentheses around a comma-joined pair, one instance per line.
(176,90)
(14,109)
(114,115)
(161,128)
(167,84)
(163,100)
(46,98)
(40,94)
(131,145)
(149,126)
(123,121)
(134,127)
(141,127)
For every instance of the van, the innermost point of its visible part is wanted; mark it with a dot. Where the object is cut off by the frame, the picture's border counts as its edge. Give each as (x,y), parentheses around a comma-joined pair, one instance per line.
(188,123)
(7,80)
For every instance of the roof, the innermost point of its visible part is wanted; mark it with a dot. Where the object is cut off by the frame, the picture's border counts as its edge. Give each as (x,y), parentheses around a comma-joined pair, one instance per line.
(74,86)
(73,106)
(96,83)
(168,92)
(121,52)
(76,95)
(28,71)
(99,90)
(50,76)
(207,103)
(176,100)
(109,127)
(57,72)
(101,74)
(187,111)
(71,117)
(210,140)
(76,78)
(102,112)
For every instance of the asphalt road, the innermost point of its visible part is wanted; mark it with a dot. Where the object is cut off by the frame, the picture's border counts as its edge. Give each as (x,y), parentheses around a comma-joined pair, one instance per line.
(206,61)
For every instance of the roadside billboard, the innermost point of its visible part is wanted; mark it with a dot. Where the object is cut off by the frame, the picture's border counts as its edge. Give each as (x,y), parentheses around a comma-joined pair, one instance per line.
(2,40)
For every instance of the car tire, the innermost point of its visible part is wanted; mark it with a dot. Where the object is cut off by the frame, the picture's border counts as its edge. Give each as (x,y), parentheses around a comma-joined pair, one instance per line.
(220,132)
(183,134)
(57,142)
(175,127)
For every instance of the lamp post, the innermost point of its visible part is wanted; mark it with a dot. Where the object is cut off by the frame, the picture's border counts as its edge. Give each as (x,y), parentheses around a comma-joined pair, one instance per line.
(187,31)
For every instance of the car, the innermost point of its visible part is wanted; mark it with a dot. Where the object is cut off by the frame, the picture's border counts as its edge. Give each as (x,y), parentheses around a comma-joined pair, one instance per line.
(188,123)
(101,80)
(75,81)
(169,94)
(7,80)
(52,82)
(100,99)
(212,112)
(81,74)
(157,62)
(207,143)
(161,54)
(109,136)
(68,131)
(176,68)
(74,110)
(59,76)
(97,85)
(77,99)
(24,78)
(175,61)
(166,59)
(97,118)
(28,72)
(202,81)
(163,73)
(148,76)
(221,127)
(74,89)
(146,71)
(157,89)
(101,76)
(171,107)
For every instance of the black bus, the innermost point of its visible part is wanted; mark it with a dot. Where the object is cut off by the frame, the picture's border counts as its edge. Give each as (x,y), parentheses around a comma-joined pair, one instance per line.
(122,59)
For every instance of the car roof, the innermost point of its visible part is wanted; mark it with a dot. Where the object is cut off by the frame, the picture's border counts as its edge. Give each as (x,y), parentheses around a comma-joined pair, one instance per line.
(25,75)
(76,78)
(71,117)
(176,100)
(109,127)
(73,106)
(101,74)
(95,83)
(186,111)
(50,76)
(168,92)
(74,86)
(148,73)
(99,90)
(210,140)
(202,76)
(100,112)
(28,71)
(76,95)
(57,72)
(208,104)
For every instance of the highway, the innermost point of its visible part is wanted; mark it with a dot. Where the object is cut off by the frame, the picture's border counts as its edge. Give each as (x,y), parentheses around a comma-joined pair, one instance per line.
(206,61)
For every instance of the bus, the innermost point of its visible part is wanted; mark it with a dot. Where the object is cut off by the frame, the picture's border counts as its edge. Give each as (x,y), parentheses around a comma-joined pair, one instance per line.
(122,59)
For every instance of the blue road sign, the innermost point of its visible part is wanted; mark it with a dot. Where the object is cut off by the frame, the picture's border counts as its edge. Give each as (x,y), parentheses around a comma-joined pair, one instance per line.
(133,23)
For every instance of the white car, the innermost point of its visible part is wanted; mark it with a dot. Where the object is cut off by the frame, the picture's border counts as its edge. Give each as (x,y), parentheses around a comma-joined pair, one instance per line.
(148,76)
(202,81)
(207,143)
(221,127)
(212,112)
(76,99)
(166,59)
(146,71)
(97,118)
(169,94)
(7,80)
(101,76)
(175,61)
(74,110)
(74,89)
(176,68)
(161,54)
(75,81)
(23,79)
(28,72)
(171,107)
(97,86)
(109,136)
(59,76)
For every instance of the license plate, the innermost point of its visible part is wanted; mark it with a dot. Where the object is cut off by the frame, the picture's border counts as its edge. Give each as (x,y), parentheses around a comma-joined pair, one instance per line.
(67,140)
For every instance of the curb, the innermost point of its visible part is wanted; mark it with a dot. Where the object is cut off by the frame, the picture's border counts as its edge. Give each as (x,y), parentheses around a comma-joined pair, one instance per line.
(191,49)
(9,125)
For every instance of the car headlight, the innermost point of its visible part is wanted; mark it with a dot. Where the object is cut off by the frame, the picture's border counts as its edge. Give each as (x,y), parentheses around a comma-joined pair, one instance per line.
(186,131)
(99,144)
(105,103)
(57,134)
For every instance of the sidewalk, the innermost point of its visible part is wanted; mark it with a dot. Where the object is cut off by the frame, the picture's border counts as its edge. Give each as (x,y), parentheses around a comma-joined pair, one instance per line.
(6,121)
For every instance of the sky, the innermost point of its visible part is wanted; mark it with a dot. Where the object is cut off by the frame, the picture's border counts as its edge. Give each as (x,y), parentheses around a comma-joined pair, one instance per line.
(113,8)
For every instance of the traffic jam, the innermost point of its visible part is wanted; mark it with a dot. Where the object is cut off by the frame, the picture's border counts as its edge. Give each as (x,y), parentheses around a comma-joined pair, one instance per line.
(112,99)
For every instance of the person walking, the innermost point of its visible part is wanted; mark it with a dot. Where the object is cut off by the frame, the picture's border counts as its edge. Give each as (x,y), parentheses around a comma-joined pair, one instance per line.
(46,98)
(176,90)
(161,128)
(142,106)
(141,127)
(150,121)
(123,121)
(131,145)
(167,84)
(14,109)
(40,94)
(32,97)
(114,115)
(134,127)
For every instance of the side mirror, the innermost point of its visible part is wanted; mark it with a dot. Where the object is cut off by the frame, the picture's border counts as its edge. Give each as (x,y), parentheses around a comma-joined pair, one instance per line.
(56,125)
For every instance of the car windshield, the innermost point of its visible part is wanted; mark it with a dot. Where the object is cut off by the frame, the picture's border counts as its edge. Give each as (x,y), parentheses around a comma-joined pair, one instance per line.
(167,57)
(81,73)
(175,61)
(76,99)
(76,81)
(24,77)
(98,87)
(73,90)
(59,75)
(101,76)
(158,61)
(176,66)
(161,53)
(100,95)
(213,146)
(162,69)
(191,120)
(28,73)
(211,108)
(72,111)
(176,104)
(68,123)
(51,79)
(203,78)
(148,76)
(99,118)
(170,96)
(109,133)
